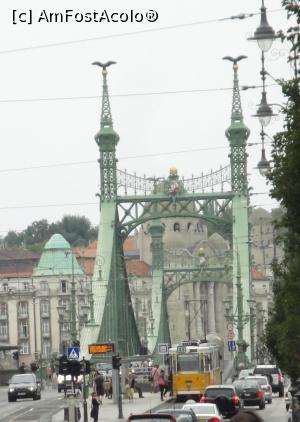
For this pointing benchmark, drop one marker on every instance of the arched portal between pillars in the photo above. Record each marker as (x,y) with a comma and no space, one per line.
(168,197)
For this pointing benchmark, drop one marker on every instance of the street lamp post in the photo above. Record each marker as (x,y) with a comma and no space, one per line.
(73,330)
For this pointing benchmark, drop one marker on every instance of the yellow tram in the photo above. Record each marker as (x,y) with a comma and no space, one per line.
(193,366)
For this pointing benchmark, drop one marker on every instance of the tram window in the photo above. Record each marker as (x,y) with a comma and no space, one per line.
(188,363)
(207,363)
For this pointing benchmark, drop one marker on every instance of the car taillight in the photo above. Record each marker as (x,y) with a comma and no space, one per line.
(268,388)
(202,400)
(214,420)
(235,400)
(260,394)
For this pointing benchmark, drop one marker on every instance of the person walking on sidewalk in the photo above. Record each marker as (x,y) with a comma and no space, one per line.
(154,379)
(162,383)
(134,385)
(95,407)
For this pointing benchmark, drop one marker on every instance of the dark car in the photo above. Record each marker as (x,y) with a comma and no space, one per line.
(151,417)
(225,397)
(253,395)
(24,386)
(180,414)
(274,375)
(238,385)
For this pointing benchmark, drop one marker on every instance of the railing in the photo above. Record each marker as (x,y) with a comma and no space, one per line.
(132,184)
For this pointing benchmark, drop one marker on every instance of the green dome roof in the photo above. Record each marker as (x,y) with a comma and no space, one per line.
(57,259)
(57,241)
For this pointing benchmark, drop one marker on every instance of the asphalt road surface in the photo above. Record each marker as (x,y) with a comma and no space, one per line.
(27,410)
(274,412)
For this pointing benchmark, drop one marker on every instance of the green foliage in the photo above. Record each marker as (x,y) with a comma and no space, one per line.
(283,327)
(77,230)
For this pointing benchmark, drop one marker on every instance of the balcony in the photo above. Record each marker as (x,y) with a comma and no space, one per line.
(45,314)
(3,317)
(23,336)
(46,335)
(23,314)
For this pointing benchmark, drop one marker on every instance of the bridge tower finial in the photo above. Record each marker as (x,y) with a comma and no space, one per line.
(237,134)
(107,139)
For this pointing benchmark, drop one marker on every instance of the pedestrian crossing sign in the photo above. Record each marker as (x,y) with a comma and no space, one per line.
(73,353)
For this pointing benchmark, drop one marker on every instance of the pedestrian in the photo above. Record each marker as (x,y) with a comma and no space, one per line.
(154,379)
(162,383)
(22,368)
(99,385)
(134,385)
(246,416)
(95,407)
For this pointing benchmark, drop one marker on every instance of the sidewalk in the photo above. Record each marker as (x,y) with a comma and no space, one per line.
(108,412)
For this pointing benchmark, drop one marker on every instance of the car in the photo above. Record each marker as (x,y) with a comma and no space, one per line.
(288,400)
(205,412)
(265,386)
(181,415)
(253,395)
(225,397)
(24,386)
(245,373)
(66,383)
(151,417)
(238,384)
(274,375)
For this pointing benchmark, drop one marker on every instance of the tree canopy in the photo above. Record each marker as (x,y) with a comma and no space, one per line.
(77,230)
(283,327)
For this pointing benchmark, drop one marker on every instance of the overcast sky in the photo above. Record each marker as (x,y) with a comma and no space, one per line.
(56,130)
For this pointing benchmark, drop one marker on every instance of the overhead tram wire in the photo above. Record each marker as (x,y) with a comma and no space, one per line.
(130,157)
(239,16)
(133,94)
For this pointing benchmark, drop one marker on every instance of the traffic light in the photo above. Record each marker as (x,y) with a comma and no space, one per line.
(85,366)
(76,343)
(116,361)
(63,367)
(75,367)
(15,355)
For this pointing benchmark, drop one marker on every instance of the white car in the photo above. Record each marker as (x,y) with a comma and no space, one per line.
(68,385)
(205,411)
(244,373)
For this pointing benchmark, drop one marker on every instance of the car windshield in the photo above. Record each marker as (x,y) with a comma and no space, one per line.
(266,371)
(182,416)
(22,379)
(202,409)
(250,384)
(260,381)
(214,392)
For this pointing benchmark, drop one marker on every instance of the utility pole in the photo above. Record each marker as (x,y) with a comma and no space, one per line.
(73,330)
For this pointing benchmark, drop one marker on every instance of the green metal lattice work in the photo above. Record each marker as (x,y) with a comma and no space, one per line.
(150,200)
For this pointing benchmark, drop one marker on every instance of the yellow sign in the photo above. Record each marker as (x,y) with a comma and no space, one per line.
(101,348)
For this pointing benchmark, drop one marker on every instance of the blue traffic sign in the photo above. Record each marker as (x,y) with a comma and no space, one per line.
(231,346)
(73,353)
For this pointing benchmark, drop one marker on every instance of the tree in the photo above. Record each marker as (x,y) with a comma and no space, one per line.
(283,327)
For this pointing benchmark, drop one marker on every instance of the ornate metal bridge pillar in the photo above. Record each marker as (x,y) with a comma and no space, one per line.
(237,134)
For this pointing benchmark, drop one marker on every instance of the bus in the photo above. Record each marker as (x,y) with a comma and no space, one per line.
(193,366)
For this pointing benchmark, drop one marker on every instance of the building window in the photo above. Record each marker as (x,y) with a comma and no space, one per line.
(25,285)
(44,307)
(45,326)
(176,227)
(23,328)
(3,309)
(3,329)
(65,303)
(46,348)
(44,285)
(5,287)
(63,286)
(65,327)
(24,347)
(22,309)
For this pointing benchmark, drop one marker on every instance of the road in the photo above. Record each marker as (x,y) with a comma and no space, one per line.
(27,410)
(274,412)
